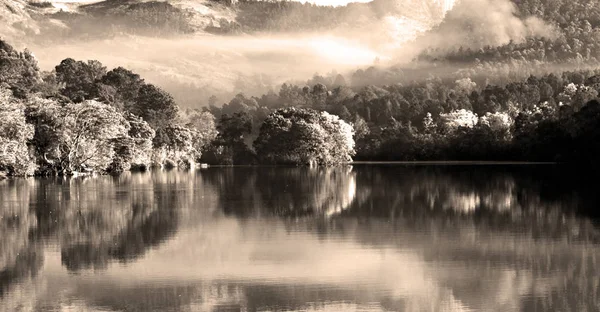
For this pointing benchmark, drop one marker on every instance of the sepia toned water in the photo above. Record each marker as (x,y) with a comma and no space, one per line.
(395,237)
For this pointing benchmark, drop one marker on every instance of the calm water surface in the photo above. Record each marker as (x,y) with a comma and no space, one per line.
(364,238)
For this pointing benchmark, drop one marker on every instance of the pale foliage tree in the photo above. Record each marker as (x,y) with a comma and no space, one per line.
(173,146)
(428,123)
(142,134)
(577,95)
(135,149)
(499,123)
(78,137)
(204,129)
(15,133)
(341,138)
(88,132)
(459,118)
(304,136)
(465,85)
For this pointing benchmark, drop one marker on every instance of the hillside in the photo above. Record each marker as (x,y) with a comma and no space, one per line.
(126,32)
(55,21)
(18,18)
(571,30)
(178,16)
(91,19)
(199,48)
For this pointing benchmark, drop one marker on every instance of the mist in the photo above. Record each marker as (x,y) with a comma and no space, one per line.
(194,67)
(478,23)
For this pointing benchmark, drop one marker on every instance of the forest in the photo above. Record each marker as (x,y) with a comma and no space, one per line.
(82,117)
(534,100)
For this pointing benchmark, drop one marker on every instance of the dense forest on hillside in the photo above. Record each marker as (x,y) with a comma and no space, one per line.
(109,18)
(577,26)
(569,39)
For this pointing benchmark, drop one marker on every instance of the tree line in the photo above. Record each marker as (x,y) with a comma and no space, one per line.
(82,117)
(551,117)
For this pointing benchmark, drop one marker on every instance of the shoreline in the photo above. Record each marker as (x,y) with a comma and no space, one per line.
(455,162)
(353,163)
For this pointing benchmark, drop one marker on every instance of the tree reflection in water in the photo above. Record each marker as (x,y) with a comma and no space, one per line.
(20,259)
(93,221)
(530,230)
(122,229)
(283,191)
(406,238)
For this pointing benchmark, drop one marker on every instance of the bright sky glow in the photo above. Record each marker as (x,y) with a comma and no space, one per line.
(341,52)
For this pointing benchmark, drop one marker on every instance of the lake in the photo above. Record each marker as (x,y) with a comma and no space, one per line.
(371,237)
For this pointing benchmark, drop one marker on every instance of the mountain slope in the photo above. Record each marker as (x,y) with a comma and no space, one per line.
(196,14)
(49,21)
(17,17)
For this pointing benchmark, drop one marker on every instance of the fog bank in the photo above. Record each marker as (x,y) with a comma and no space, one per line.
(195,67)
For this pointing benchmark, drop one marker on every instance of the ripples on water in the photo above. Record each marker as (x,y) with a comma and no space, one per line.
(368,238)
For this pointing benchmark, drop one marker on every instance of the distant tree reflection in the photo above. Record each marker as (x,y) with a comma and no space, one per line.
(283,191)
(514,236)
(510,198)
(498,197)
(530,224)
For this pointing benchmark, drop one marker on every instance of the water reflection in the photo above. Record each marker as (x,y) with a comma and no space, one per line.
(283,192)
(368,238)
(20,259)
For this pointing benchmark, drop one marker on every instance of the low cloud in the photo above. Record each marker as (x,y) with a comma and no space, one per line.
(480,23)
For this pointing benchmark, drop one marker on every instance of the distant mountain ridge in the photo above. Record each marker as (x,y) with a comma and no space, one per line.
(52,20)
(199,13)
(90,18)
